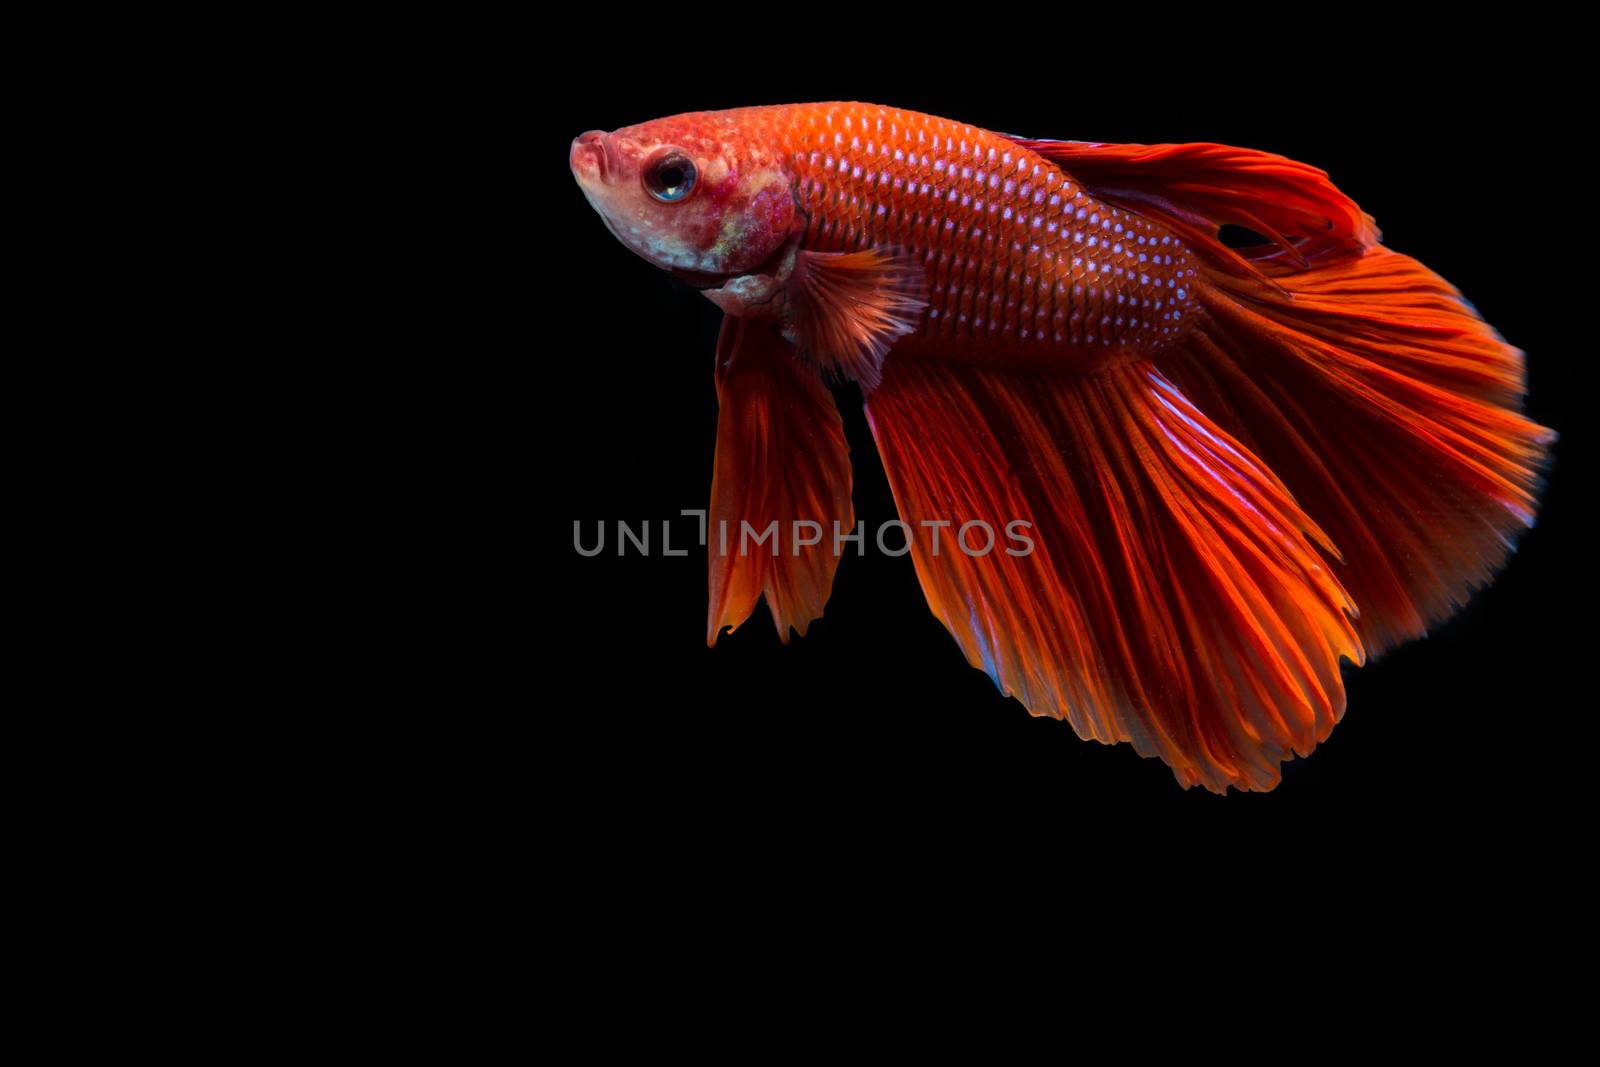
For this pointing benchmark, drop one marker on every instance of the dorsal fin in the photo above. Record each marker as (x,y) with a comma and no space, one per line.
(1196,189)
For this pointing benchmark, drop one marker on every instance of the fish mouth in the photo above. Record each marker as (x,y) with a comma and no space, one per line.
(700,279)
(591,157)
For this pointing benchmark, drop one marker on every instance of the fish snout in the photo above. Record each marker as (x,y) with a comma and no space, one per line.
(591,156)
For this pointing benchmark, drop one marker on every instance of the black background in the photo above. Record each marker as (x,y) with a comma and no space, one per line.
(873,729)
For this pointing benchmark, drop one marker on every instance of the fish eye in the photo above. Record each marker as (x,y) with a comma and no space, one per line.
(670,178)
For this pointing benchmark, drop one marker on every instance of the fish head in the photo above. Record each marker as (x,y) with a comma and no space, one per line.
(702,195)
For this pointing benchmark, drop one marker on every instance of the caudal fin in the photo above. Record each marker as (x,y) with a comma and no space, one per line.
(1389,408)
(1392,412)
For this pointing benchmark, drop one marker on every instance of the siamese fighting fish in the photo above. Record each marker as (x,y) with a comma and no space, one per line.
(1241,440)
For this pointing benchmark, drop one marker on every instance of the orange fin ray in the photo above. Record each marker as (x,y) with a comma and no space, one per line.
(1387,405)
(781,459)
(1174,596)
(847,309)
(1390,409)
(1198,188)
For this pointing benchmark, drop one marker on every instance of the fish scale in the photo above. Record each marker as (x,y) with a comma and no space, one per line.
(1015,251)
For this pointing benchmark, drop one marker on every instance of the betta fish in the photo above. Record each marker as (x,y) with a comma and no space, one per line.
(1238,462)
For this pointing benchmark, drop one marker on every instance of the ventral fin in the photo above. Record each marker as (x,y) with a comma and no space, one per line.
(848,308)
(782,479)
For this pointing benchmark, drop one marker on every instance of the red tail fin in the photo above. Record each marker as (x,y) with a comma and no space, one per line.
(1388,407)
(1391,411)
(1336,397)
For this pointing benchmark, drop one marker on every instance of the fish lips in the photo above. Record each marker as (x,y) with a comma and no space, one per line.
(591,157)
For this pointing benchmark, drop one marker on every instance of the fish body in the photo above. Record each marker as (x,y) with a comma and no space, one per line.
(1018,259)
(1240,467)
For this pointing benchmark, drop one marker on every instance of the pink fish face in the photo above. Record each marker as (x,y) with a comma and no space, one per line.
(698,195)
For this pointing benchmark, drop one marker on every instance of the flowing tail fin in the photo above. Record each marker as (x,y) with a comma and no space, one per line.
(1392,412)
(1336,400)
(1389,408)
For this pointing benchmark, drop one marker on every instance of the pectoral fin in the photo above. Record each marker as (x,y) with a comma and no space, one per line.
(847,309)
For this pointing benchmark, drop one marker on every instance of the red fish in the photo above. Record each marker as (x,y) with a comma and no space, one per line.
(1237,466)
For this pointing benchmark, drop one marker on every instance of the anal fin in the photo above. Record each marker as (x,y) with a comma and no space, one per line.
(1175,596)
